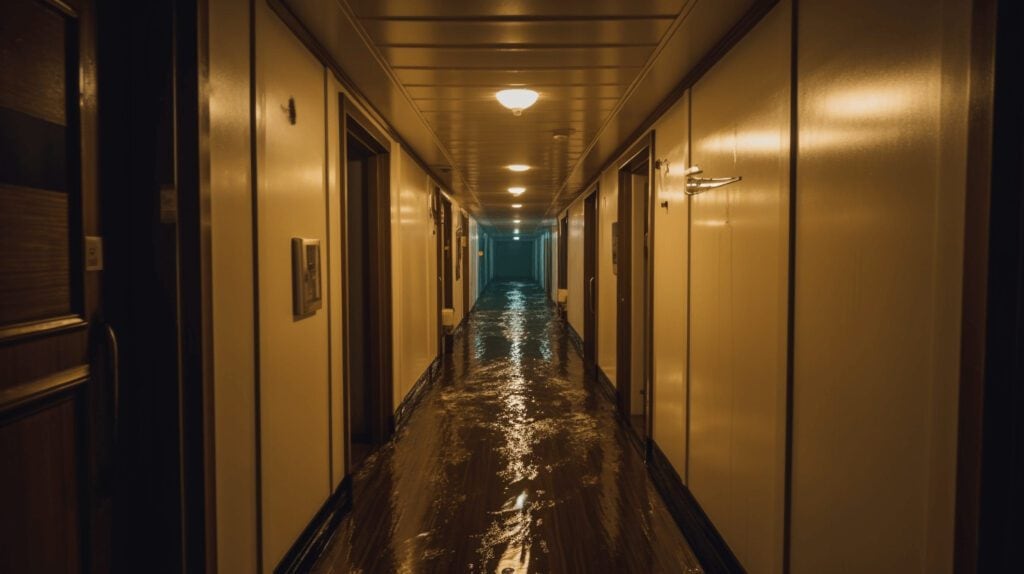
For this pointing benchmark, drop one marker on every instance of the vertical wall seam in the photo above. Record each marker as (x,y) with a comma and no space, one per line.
(787,510)
(330,303)
(254,173)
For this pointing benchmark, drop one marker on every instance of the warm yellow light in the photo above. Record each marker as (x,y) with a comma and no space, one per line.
(517,221)
(516,205)
(517,167)
(517,99)
(516,190)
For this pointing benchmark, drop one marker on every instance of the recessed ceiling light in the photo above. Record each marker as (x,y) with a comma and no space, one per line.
(516,205)
(517,231)
(516,190)
(517,221)
(516,238)
(517,167)
(517,99)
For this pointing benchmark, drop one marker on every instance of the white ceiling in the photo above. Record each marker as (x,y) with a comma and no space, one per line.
(432,67)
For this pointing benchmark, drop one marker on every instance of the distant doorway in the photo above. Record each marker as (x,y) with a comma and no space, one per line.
(633,306)
(367,281)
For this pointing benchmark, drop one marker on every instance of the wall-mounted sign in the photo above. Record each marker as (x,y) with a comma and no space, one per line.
(306,292)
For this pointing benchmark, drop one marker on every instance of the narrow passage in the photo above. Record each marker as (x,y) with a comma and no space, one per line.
(512,463)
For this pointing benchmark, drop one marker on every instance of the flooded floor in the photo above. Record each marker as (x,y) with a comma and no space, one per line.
(512,463)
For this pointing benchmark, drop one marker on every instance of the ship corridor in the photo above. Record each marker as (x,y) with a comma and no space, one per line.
(511,286)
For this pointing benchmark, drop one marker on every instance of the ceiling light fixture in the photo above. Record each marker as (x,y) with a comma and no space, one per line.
(516,238)
(517,167)
(516,190)
(517,221)
(517,99)
(516,205)
(517,231)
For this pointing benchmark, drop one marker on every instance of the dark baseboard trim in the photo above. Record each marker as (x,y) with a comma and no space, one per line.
(577,341)
(714,554)
(605,385)
(419,388)
(311,543)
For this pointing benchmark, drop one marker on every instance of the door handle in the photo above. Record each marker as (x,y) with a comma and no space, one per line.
(114,356)
(590,286)
(698,185)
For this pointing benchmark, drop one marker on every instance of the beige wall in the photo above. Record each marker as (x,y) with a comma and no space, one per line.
(739,291)
(414,275)
(670,283)
(878,263)
(607,310)
(474,262)
(293,353)
(234,393)
(336,248)
(574,305)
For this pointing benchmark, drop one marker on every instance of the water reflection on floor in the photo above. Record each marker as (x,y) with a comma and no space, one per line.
(512,463)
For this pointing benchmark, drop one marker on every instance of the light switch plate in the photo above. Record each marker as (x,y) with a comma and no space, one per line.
(93,253)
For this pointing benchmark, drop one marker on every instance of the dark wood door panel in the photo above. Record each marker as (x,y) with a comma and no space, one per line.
(34,270)
(49,422)
(39,491)
(33,57)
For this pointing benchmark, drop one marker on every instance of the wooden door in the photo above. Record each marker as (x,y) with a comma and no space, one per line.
(55,401)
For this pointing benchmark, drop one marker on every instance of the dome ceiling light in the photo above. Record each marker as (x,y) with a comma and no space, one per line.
(517,191)
(517,167)
(517,99)
(516,205)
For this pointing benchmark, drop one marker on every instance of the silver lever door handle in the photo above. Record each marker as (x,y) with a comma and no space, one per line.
(696,185)
(590,285)
(115,370)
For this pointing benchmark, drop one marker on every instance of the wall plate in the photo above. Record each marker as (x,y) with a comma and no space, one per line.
(307,295)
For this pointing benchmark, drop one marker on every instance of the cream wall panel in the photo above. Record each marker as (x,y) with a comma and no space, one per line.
(607,213)
(414,274)
(456,275)
(234,387)
(739,292)
(555,270)
(670,278)
(880,191)
(335,254)
(294,379)
(575,264)
(474,262)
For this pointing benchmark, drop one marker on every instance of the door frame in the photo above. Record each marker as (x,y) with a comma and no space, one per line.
(591,220)
(642,152)
(378,293)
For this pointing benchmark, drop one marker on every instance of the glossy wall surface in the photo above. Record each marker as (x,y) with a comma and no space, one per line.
(607,213)
(670,283)
(231,225)
(575,271)
(414,272)
(293,352)
(739,277)
(880,193)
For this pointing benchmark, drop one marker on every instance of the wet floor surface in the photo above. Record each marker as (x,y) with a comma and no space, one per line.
(512,463)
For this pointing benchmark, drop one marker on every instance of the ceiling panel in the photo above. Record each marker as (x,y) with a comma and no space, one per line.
(449,57)
(512,78)
(443,33)
(456,9)
(519,58)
